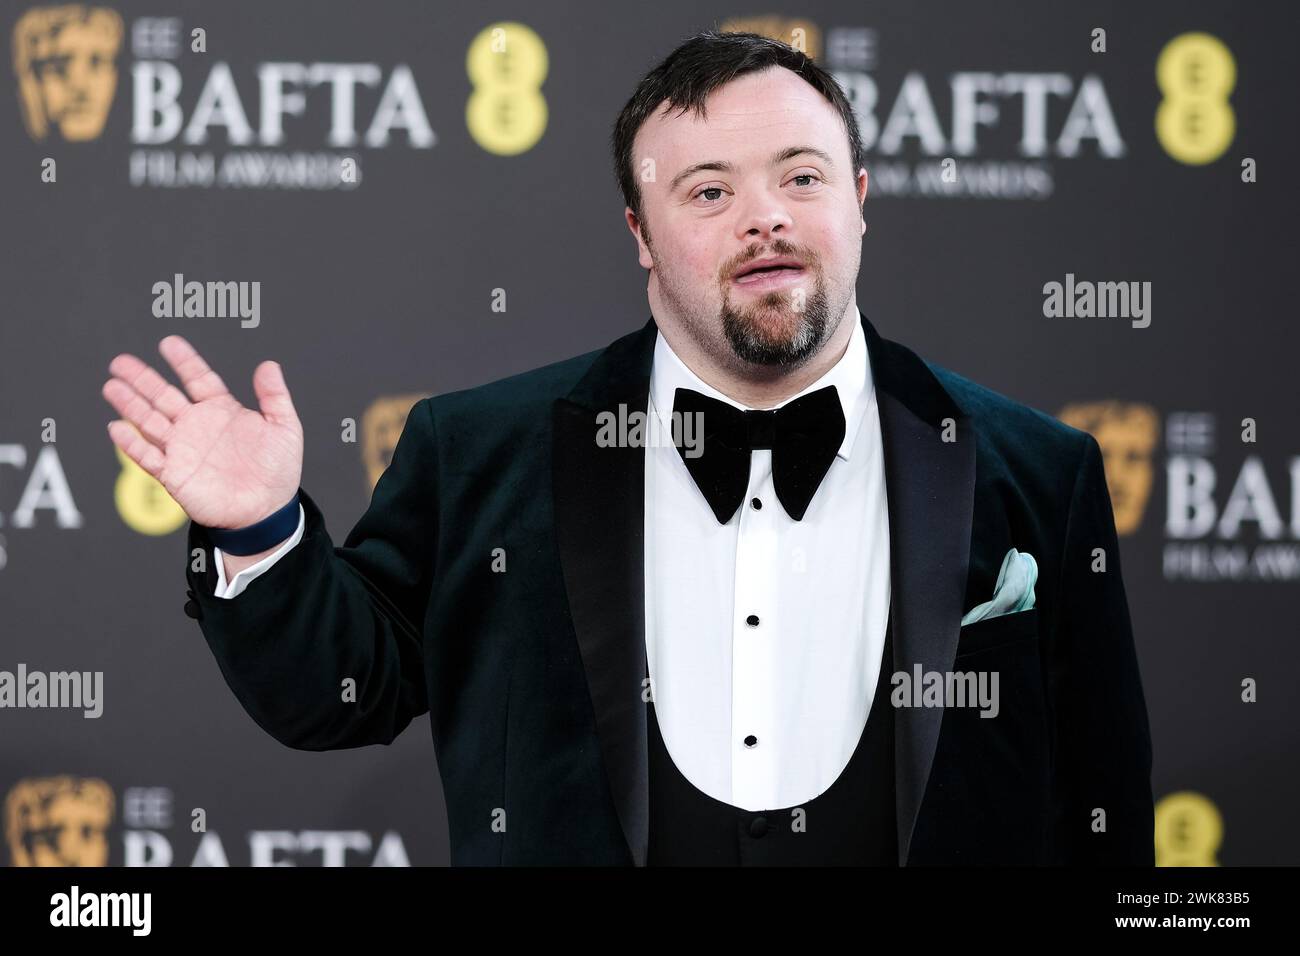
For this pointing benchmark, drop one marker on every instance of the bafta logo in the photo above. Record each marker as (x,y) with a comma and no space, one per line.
(64,58)
(58,821)
(1127,433)
(381,426)
(804,35)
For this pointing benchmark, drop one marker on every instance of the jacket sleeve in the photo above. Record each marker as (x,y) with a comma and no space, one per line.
(324,651)
(1104,740)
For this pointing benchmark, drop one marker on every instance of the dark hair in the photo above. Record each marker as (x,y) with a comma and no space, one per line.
(701,65)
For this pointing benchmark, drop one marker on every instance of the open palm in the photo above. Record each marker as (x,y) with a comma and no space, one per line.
(228,466)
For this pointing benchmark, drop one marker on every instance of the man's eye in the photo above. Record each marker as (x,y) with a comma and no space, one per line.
(806,176)
(709,189)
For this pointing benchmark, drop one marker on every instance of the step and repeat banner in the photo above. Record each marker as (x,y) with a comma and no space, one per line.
(1084,206)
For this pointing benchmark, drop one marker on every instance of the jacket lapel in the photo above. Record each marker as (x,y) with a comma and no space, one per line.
(599,498)
(930,487)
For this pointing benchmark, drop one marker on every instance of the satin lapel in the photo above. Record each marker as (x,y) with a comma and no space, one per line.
(930,487)
(599,500)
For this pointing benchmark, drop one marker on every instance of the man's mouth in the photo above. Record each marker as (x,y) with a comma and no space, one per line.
(765,273)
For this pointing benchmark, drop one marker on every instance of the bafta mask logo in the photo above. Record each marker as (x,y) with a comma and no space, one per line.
(381,426)
(58,821)
(1127,433)
(804,35)
(64,58)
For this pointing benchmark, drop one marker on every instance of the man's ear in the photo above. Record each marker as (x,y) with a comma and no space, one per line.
(861,185)
(643,251)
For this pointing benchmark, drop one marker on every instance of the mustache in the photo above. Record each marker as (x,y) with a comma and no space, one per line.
(808,258)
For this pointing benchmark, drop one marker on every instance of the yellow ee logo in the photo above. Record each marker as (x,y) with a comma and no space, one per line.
(142,502)
(507,63)
(1189,830)
(1194,122)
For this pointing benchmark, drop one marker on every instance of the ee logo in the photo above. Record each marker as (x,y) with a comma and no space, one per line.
(142,502)
(1194,122)
(1189,830)
(507,63)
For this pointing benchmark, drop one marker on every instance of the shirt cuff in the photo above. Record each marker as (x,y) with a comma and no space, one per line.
(240,580)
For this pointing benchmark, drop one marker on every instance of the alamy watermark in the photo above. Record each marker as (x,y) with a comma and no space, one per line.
(636,429)
(946,689)
(132,911)
(179,299)
(1102,300)
(62,689)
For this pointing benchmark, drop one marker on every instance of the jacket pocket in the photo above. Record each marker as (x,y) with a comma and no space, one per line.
(995,631)
(988,800)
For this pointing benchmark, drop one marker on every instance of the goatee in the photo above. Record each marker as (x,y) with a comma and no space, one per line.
(751,342)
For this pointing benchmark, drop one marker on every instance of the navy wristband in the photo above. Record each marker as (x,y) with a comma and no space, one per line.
(272,529)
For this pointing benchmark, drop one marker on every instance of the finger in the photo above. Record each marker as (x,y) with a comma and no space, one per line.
(159,392)
(273,395)
(132,406)
(200,382)
(140,451)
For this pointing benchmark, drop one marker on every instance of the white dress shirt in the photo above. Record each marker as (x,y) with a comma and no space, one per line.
(803,679)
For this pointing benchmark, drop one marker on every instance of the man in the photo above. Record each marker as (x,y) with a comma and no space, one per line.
(731,647)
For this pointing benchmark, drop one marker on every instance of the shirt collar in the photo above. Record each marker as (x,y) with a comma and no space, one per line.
(851,376)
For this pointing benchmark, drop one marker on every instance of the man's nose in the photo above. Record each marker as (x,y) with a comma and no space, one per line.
(763,217)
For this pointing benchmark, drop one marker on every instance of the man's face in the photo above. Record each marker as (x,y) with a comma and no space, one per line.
(779,182)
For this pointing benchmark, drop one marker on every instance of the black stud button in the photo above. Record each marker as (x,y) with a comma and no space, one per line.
(752,620)
(756,503)
(758,826)
(751,741)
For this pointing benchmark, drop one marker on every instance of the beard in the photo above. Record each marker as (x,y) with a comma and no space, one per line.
(771,330)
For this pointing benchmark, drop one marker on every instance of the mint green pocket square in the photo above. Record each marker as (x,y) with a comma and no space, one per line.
(1014,590)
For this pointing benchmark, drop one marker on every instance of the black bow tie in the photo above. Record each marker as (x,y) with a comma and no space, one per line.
(804,436)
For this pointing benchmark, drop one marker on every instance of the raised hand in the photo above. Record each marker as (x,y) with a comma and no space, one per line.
(228,466)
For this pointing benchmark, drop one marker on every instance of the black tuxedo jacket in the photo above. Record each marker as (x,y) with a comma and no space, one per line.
(532,675)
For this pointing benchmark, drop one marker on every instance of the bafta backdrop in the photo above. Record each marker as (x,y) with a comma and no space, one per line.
(1086,207)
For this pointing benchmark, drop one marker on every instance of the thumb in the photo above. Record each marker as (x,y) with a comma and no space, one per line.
(273,395)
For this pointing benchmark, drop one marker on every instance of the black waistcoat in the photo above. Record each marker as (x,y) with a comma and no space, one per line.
(852,823)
